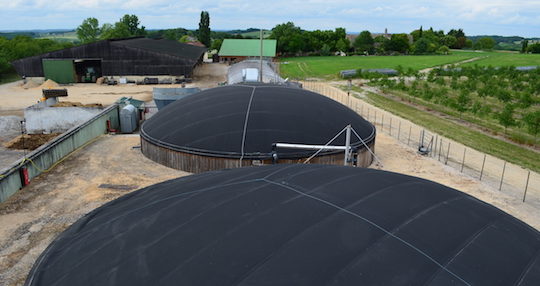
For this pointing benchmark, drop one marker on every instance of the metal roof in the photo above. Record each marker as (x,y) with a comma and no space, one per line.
(247,48)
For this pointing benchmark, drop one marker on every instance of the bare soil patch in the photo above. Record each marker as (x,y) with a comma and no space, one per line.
(30,141)
(76,104)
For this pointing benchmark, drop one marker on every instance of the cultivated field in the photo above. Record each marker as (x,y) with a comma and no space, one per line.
(329,67)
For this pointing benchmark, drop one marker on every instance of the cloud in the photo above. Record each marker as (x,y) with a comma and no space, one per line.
(474,16)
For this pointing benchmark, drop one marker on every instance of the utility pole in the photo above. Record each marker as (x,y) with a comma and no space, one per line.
(261,59)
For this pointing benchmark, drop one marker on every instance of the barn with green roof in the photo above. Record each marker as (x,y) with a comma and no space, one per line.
(236,50)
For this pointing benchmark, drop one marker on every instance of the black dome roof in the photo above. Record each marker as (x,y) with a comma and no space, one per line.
(212,122)
(294,225)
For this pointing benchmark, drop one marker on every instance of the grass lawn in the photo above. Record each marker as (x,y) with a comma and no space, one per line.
(467,136)
(497,59)
(329,67)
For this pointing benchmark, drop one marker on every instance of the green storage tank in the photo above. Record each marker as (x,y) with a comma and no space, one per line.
(61,71)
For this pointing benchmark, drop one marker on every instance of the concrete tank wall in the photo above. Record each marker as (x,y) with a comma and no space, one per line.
(56,119)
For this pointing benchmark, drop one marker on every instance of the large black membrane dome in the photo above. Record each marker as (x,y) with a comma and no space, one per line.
(216,128)
(294,225)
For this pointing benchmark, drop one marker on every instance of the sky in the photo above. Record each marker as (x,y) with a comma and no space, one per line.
(475,17)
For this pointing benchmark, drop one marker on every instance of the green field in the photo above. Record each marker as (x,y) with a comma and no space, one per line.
(257,34)
(497,59)
(61,37)
(329,67)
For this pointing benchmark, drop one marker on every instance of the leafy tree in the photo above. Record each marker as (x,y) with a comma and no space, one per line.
(422,46)
(216,44)
(119,30)
(532,120)
(534,48)
(341,45)
(463,101)
(204,29)
(88,31)
(325,50)
(524,45)
(364,42)
(461,40)
(132,24)
(283,33)
(485,44)
(443,50)
(398,43)
(448,41)
(506,117)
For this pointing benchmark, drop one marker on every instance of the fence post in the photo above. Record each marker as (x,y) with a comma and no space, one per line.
(447,154)
(399,130)
(482,171)
(440,146)
(463,160)
(375,117)
(368,115)
(526,186)
(409,140)
(390,125)
(382,122)
(502,176)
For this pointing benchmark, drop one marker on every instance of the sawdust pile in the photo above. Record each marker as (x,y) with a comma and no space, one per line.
(30,141)
(76,104)
(49,84)
(30,84)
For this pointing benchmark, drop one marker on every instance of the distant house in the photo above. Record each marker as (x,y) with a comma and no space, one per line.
(236,50)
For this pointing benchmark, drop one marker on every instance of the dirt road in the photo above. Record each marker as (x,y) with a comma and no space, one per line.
(14,97)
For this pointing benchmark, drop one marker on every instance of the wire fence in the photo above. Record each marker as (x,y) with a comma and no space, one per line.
(499,174)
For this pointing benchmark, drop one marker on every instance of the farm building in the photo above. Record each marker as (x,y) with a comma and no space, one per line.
(236,50)
(120,57)
(238,125)
(293,225)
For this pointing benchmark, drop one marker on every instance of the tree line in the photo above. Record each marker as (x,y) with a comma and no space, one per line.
(24,46)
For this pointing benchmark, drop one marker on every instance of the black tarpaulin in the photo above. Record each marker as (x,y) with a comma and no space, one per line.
(294,225)
(225,121)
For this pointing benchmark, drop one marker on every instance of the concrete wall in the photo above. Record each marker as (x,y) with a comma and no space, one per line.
(39,160)
(41,120)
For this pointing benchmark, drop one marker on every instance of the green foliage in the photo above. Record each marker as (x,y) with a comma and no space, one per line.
(203,34)
(132,24)
(506,117)
(485,43)
(119,30)
(88,31)
(216,44)
(398,43)
(443,50)
(127,26)
(364,43)
(524,46)
(532,121)
(342,45)
(184,39)
(23,46)
(292,40)
(495,98)
(534,48)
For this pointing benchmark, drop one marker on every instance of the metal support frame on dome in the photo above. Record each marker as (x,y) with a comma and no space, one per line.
(347,148)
